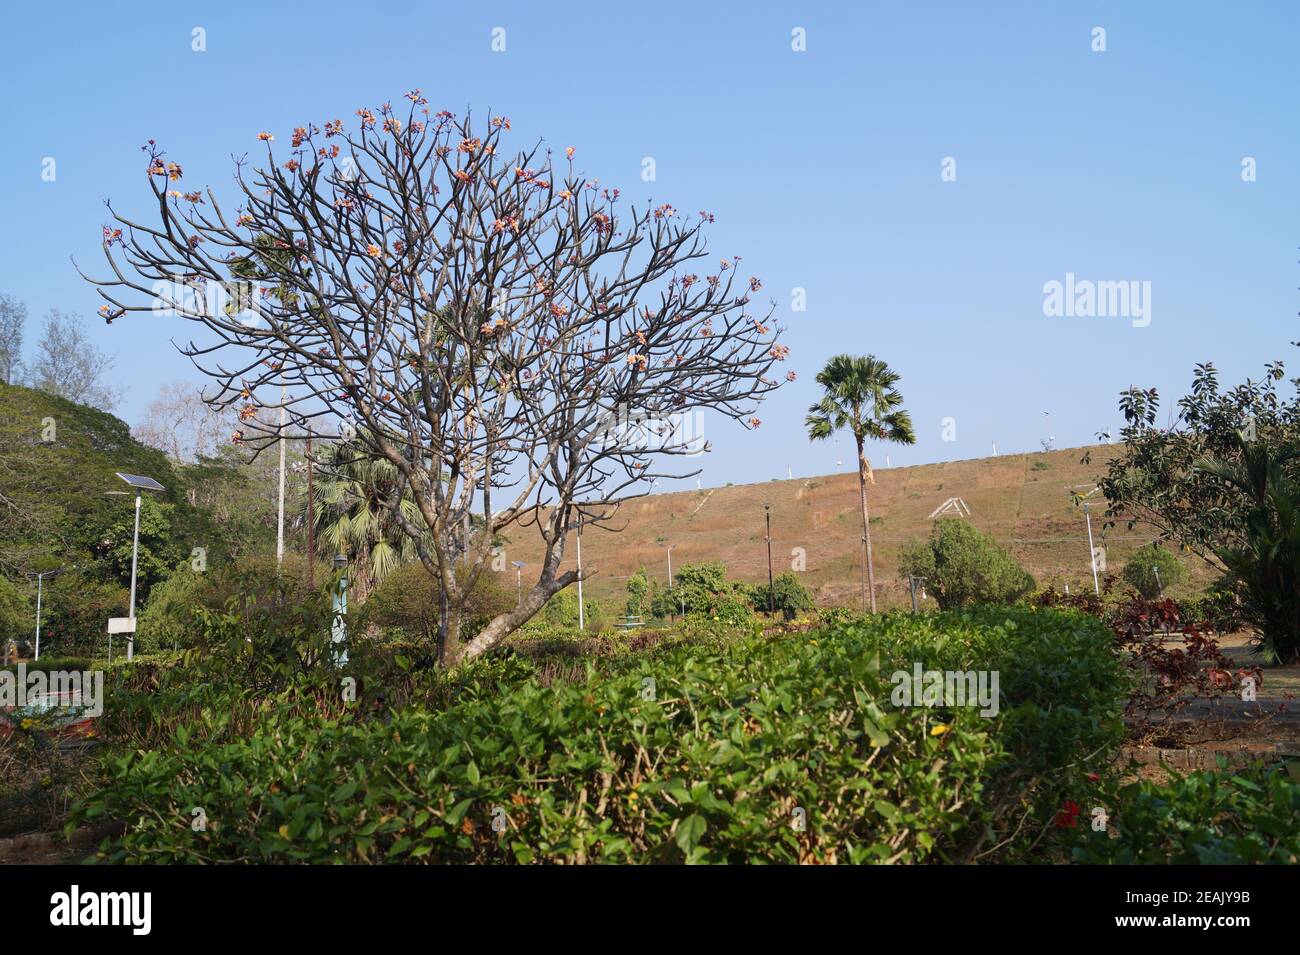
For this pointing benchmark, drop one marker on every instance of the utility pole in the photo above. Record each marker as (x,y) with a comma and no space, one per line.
(40,580)
(581,617)
(1092,552)
(279,533)
(311,524)
(771,593)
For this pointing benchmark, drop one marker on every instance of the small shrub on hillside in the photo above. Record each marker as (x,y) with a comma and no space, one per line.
(638,594)
(790,596)
(964,567)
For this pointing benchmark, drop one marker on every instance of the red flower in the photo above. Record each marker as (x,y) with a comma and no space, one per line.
(1068,817)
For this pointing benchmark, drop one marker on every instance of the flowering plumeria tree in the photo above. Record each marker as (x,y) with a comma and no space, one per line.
(490,323)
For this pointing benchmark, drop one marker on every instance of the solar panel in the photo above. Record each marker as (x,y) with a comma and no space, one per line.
(139,480)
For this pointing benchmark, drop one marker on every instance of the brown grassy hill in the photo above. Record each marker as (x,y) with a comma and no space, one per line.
(1022,499)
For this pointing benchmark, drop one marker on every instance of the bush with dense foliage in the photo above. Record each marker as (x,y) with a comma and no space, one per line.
(167,620)
(638,594)
(17,614)
(1204,818)
(407,599)
(1152,569)
(1265,563)
(963,566)
(776,750)
(789,596)
(75,613)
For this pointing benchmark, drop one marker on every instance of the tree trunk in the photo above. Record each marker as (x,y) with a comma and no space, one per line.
(448,635)
(507,623)
(864,473)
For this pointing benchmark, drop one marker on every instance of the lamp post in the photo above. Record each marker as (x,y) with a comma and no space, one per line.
(339,631)
(140,483)
(279,521)
(1159,583)
(1092,552)
(771,594)
(581,619)
(311,525)
(40,579)
(519,566)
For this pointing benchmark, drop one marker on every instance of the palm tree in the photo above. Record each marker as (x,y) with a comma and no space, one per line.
(353,514)
(861,397)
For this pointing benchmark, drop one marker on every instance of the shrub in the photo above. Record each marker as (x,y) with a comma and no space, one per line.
(74,616)
(407,599)
(17,615)
(790,596)
(1152,569)
(168,617)
(638,593)
(697,753)
(1204,818)
(562,610)
(963,566)
(271,632)
(1265,564)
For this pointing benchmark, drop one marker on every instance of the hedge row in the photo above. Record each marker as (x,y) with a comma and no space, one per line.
(763,750)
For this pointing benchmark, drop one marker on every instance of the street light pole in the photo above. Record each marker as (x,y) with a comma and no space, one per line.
(1092,552)
(339,635)
(135,554)
(311,525)
(581,618)
(279,532)
(141,484)
(771,593)
(39,582)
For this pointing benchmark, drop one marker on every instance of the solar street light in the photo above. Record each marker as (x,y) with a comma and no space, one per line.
(140,483)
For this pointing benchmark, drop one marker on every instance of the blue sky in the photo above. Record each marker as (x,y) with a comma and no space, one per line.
(822,168)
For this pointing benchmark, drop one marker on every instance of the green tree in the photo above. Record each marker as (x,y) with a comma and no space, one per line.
(789,595)
(17,616)
(861,397)
(75,613)
(638,592)
(168,616)
(963,566)
(1153,479)
(407,599)
(1152,569)
(158,552)
(1266,564)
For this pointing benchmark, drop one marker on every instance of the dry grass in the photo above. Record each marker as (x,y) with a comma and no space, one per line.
(1022,499)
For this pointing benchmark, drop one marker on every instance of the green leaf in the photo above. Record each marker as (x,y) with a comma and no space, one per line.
(689,832)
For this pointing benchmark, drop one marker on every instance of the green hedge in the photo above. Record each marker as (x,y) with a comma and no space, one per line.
(716,760)
(1203,818)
